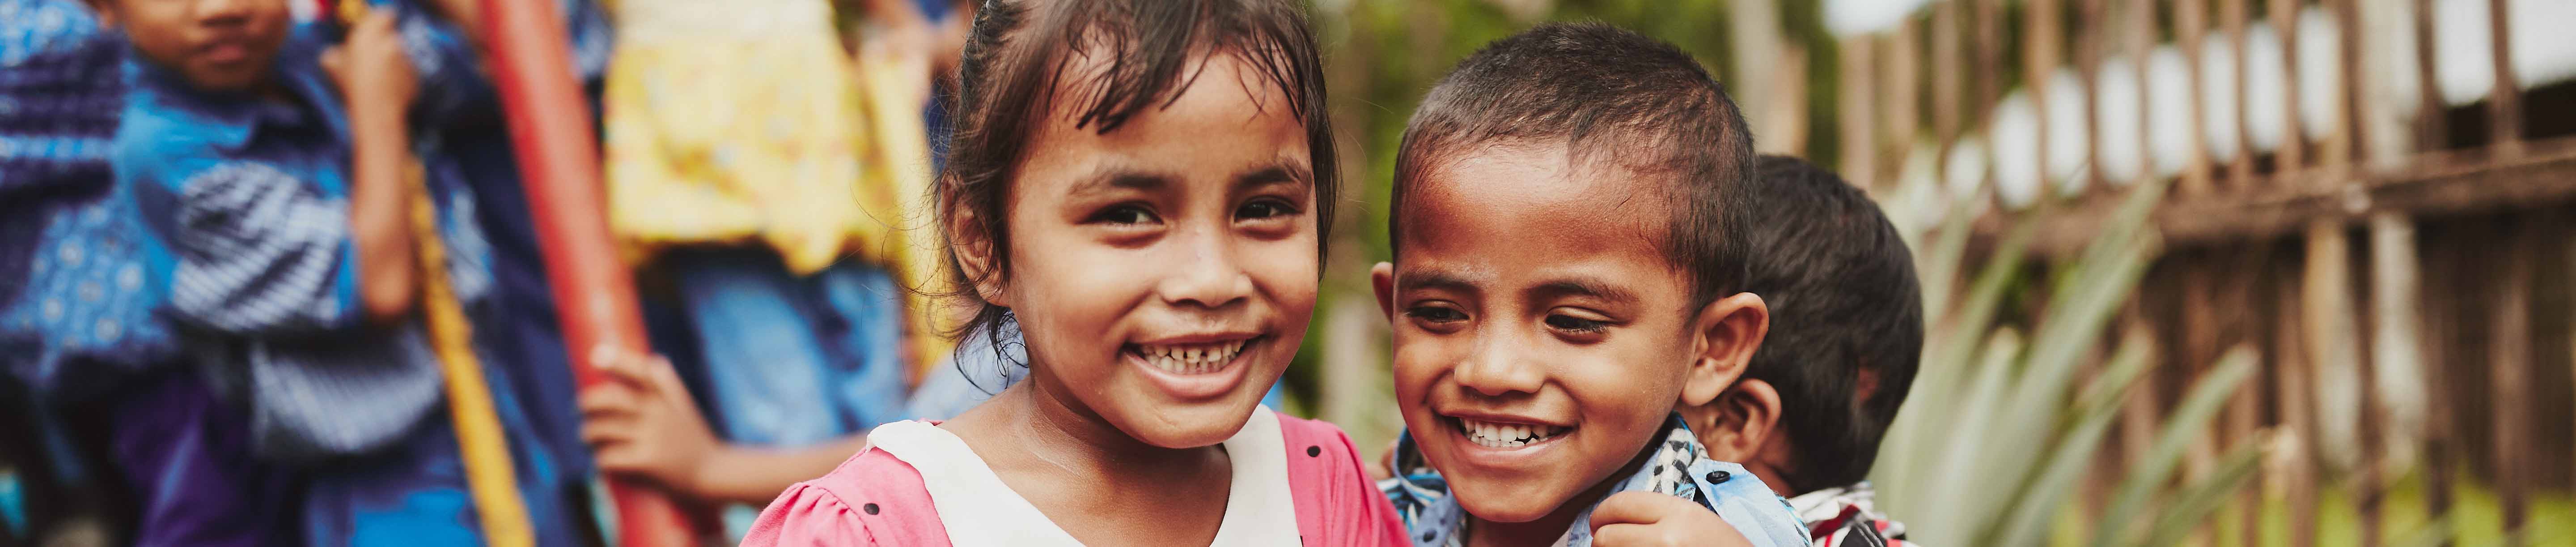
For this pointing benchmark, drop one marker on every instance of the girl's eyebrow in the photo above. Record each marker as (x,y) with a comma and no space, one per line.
(1284,171)
(1111,179)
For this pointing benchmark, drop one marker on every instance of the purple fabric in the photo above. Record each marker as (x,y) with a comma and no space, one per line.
(187,456)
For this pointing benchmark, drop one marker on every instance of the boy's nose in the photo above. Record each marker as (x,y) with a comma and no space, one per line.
(1204,275)
(222,12)
(1499,367)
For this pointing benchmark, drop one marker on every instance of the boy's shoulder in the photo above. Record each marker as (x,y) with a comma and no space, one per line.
(1677,466)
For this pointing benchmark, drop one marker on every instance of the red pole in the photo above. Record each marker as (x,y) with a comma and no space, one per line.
(550,129)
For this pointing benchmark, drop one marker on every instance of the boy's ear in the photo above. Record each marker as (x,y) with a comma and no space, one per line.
(1382,278)
(1737,425)
(974,250)
(1723,338)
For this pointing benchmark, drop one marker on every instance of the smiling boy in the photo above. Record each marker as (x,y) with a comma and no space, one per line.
(1568,270)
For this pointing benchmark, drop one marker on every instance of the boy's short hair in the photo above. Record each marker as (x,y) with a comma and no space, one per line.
(1606,94)
(1846,317)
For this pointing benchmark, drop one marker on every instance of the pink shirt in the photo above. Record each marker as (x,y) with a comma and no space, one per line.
(877,498)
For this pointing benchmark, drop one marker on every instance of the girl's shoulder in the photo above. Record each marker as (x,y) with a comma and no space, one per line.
(873,498)
(1336,502)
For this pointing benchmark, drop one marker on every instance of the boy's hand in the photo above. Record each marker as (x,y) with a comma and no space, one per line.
(1379,469)
(1648,519)
(371,67)
(644,423)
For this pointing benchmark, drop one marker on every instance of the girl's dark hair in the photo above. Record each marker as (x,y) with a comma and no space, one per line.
(1016,58)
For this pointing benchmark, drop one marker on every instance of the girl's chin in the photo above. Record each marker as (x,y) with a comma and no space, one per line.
(1198,425)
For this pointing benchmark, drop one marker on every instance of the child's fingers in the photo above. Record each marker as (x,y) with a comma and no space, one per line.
(335,62)
(376,21)
(607,400)
(1628,535)
(599,433)
(664,378)
(1638,518)
(650,372)
(1639,507)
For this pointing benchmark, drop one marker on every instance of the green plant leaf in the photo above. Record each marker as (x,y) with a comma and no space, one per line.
(2184,425)
(1937,470)
(2187,511)
(2043,499)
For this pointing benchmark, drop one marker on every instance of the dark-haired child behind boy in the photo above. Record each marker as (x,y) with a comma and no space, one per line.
(1847,332)
(295,266)
(1569,267)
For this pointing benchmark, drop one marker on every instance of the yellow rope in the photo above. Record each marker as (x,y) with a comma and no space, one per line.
(479,437)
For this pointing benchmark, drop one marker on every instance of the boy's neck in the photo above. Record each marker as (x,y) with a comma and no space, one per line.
(1544,531)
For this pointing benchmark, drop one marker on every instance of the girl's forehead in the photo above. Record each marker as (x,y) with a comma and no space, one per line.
(1222,125)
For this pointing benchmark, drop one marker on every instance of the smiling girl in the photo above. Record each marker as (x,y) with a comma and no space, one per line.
(1137,189)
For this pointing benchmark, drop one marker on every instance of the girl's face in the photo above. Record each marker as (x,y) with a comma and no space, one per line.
(1163,273)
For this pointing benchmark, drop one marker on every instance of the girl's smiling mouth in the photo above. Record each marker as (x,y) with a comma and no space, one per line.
(1195,367)
(1199,358)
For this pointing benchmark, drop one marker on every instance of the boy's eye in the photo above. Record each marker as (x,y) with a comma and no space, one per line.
(1123,214)
(1265,208)
(1577,324)
(1435,314)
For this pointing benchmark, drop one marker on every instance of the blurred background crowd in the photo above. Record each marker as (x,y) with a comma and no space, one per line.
(2212,272)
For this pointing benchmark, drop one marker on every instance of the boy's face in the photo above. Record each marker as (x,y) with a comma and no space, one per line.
(1541,337)
(217,45)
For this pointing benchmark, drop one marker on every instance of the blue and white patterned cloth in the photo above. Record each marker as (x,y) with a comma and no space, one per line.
(250,196)
(76,267)
(1679,467)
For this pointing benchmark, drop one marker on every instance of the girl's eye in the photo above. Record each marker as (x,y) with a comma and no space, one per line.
(1577,324)
(1266,208)
(1435,314)
(1123,214)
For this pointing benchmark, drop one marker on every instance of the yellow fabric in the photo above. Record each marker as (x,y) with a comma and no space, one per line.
(739,141)
(753,127)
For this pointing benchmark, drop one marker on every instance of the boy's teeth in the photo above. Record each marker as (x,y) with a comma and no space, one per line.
(1496,435)
(1190,359)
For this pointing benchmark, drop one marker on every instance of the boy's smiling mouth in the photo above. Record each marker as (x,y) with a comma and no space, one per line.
(1505,433)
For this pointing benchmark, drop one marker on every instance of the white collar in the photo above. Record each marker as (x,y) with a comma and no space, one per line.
(979,510)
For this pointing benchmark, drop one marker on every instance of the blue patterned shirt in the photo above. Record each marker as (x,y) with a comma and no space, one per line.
(1680,467)
(250,195)
(76,301)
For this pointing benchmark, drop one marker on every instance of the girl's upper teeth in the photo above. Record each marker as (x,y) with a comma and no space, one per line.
(1190,358)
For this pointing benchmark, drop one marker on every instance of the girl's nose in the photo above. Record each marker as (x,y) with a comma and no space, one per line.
(1206,275)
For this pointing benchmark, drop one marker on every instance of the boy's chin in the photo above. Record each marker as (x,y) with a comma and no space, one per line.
(1506,504)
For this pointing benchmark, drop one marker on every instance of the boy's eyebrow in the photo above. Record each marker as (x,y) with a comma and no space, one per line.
(1433,280)
(1577,286)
